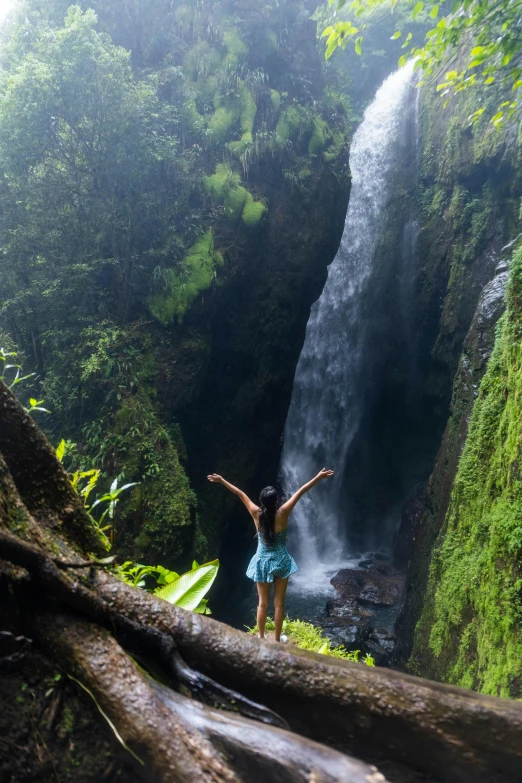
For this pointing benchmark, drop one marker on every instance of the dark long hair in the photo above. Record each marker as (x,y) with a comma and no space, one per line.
(268,500)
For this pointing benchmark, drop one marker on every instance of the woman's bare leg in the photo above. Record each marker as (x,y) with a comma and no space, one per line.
(280,586)
(263,591)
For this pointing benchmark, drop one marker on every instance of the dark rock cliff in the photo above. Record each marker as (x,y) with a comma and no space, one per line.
(423,516)
(469,191)
(247,341)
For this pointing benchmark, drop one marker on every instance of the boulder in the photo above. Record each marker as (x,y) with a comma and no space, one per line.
(378,653)
(386,639)
(367,587)
(351,632)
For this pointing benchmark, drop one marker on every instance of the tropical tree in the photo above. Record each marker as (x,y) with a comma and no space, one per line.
(469,43)
(87,177)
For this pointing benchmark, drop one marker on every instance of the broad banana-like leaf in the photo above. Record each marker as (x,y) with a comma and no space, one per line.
(190,588)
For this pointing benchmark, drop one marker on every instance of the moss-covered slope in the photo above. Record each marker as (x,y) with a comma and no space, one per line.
(470,630)
(470,193)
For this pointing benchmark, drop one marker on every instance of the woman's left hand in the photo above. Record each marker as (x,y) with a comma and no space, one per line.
(325,473)
(215,479)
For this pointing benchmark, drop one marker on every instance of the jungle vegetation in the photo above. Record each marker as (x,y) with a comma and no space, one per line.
(129,137)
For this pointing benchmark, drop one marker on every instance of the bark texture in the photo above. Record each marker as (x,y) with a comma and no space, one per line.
(194,720)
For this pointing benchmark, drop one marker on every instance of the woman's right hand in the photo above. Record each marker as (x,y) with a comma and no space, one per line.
(215,479)
(324,473)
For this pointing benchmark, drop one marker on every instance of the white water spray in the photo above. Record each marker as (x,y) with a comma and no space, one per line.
(331,379)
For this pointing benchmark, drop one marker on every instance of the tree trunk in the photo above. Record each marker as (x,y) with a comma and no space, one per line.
(90,621)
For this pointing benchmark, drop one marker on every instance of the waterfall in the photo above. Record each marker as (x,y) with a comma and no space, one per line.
(333,377)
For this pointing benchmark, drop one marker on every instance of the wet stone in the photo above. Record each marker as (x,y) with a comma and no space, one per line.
(351,632)
(338,607)
(378,653)
(386,639)
(379,590)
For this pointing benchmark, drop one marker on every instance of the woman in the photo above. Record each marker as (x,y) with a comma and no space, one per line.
(271,562)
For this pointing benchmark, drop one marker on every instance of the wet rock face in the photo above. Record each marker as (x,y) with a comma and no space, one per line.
(350,630)
(361,592)
(368,587)
(424,513)
(381,646)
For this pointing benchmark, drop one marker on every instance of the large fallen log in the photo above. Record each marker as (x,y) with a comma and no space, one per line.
(374,714)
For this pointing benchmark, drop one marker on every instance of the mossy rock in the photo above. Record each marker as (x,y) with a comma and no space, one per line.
(201,61)
(230,63)
(275,99)
(225,189)
(196,275)
(248,110)
(253,211)
(220,183)
(222,122)
(235,44)
(293,123)
(207,89)
(235,202)
(192,117)
(269,42)
(320,134)
(335,148)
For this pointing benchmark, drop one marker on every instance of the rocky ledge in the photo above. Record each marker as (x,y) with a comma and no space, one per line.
(352,616)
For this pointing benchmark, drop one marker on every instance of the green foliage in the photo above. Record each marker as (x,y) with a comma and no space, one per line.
(187,591)
(275,99)
(248,110)
(226,191)
(253,211)
(235,45)
(293,123)
(473,611)
(309,637)
(320,134)
(84,482)
(11,375)
(196,273)
(110,375)
(110,115)
(475,43)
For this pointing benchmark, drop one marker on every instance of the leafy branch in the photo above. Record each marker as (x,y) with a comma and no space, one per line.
(482,39)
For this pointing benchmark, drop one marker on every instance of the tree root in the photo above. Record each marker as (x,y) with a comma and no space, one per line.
(18,647)
(177,739)
(210,692)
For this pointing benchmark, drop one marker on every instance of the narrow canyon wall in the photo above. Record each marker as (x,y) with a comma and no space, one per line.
(449,627)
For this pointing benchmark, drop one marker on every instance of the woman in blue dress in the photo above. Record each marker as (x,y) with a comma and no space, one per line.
(271,563)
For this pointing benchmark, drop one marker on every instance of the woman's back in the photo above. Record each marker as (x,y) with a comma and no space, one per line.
(279,541)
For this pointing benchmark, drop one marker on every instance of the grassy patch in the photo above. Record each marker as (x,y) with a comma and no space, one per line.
(309,637)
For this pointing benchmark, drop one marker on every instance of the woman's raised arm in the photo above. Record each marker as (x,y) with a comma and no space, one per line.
(216,479)
(287,507)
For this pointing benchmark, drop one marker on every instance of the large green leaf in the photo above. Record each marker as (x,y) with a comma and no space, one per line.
(190,588)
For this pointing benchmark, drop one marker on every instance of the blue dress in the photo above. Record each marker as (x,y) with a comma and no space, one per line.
(271,561)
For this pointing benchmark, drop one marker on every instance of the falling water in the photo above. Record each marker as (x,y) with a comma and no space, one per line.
(333,377)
